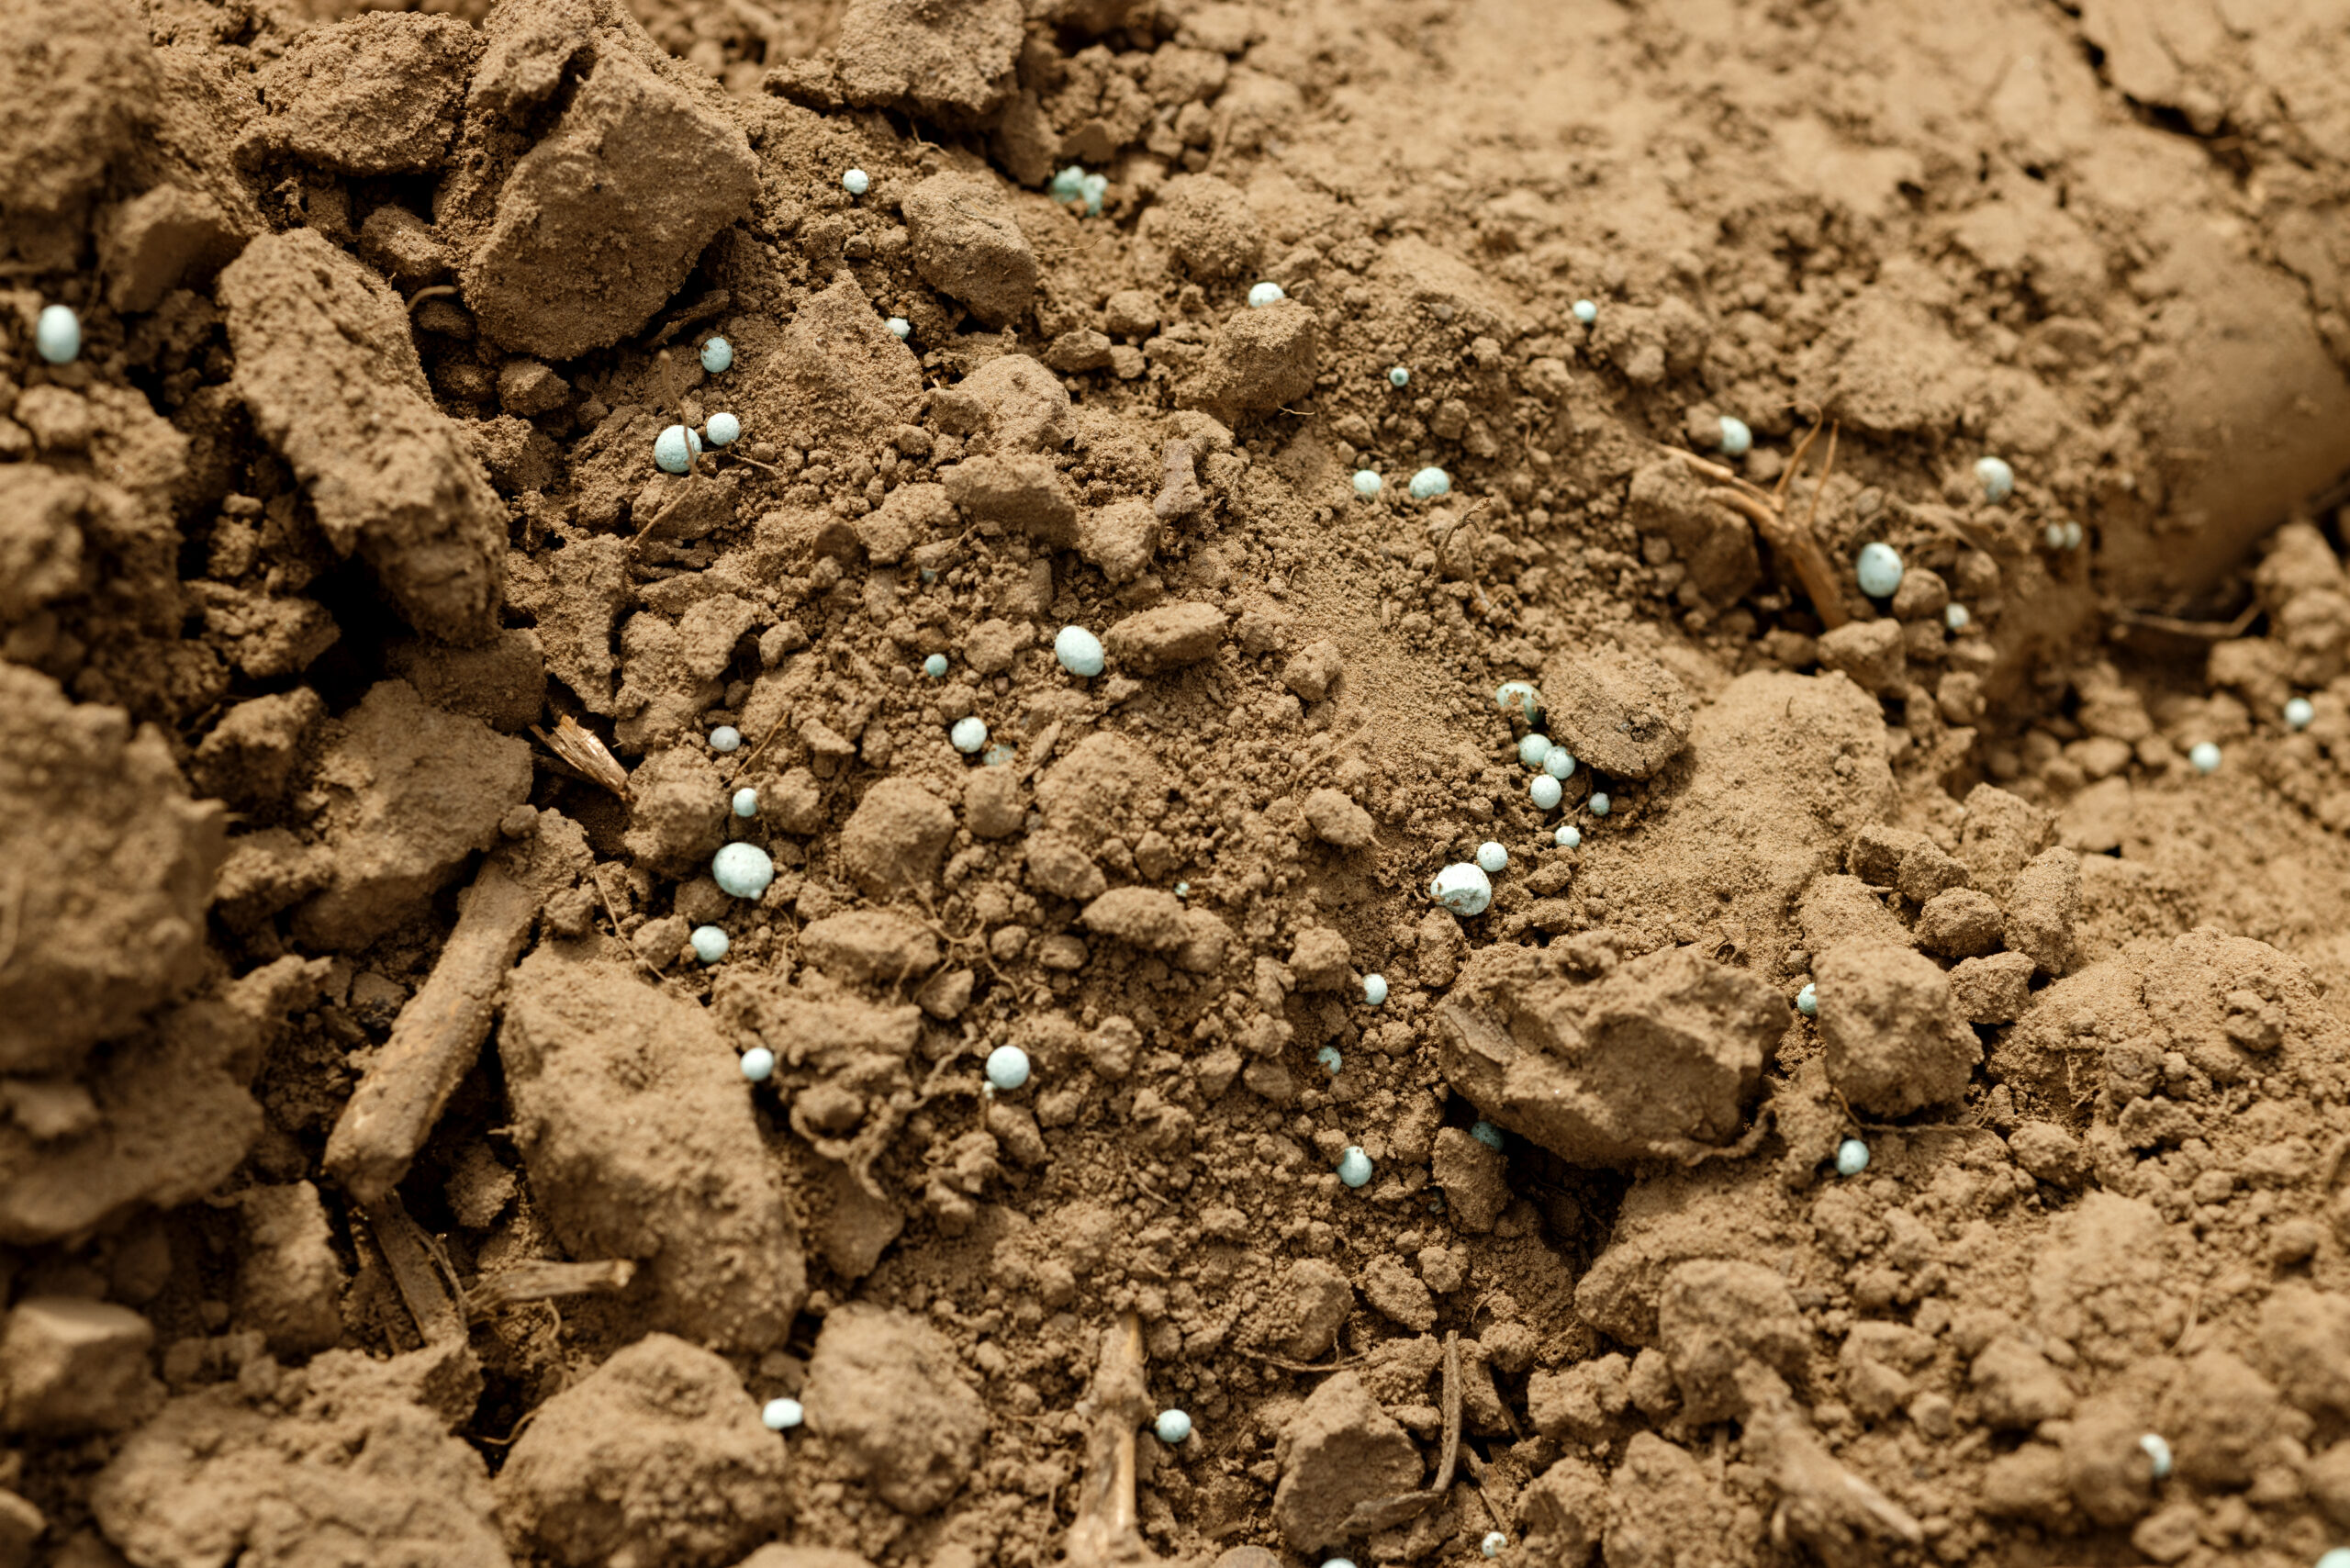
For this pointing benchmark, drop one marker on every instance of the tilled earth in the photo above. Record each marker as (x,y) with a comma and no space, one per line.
(1892,1107)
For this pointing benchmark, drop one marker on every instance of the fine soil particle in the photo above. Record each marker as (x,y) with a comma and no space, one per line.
(411,1152)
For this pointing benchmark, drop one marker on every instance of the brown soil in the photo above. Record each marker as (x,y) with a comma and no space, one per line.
(379,1179)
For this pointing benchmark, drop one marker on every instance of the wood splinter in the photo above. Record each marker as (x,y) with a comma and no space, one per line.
(1106,1531)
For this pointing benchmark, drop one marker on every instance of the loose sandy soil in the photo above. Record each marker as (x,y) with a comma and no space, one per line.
(380,1180)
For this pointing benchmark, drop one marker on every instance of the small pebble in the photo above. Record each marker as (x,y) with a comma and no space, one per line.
(674,449)
(1494,1543)
(1998,480)
(743,869)
(1007,1067)
(718,356)
(857,181)
(1599,803)
(747,802)
(1569,836)
(2203,757)
(2339,1557)
(1808,999)
(2299,714)
(1463,889)
(1430,483)
(758,1064)
(1852,1157)
(1534,750)
(1374,990)
(1265,294)
(1587,312)
(1172,1426)
(1955,617)
(723,430)
(900,328)
(782,1415)
(57,334)
(1399,377)
(1546,792)
(1491,858)
(1330,1059)
(710,943)
(1093,187)
(1559,763)
(968,735)
(2063,535)
(2072,536)
(999,754)
(1354,1167)
(934,666)
(1182,889)
(1738,439)
(1070,183)
(725,738)
(1078,651)
(1878,569)
(1485,1132)
(1518,697)
(1366,482)
(2158,1452)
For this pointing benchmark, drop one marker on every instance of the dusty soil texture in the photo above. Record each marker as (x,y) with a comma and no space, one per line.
(385,1178)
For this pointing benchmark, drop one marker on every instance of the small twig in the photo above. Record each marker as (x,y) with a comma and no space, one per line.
(701,310)
(596,875)
(1788,537)
(437,291)
(12,926)
(1118,1403)
(1451,1454)
(540,1279)
(419,1270)
(768,739)
(2203,631)
(1301,1366)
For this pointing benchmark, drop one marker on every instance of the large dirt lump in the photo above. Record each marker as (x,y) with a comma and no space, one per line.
(657,1456)
(1896,1040)
(968,244)
(595,226)
(635,1126)
(951,58)
(377,95)
(1782,770)
(406,794)
(107,881)
(1621,714)
(324,352)
(127,1135)
(1661,1058)
(347,1456)
(1341,1450)
(888,1390)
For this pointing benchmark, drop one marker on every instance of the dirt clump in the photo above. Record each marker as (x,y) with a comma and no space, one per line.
(1661,1056)
(1339,1450)
(658,1455)
(1895,1040)
(342,1451)
(106,922)
(632,1115)
(886,1391)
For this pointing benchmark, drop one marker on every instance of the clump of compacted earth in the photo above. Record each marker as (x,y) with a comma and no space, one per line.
(380,1176)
